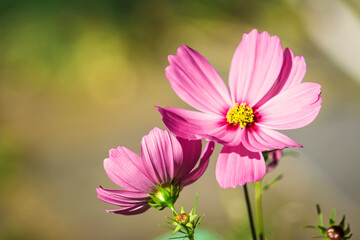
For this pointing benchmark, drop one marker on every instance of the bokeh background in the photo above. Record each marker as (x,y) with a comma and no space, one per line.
(80,77)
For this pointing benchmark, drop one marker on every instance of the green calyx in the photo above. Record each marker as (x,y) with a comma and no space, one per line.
(164,196)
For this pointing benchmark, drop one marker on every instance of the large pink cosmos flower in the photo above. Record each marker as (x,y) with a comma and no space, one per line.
(266,94)
(165,161)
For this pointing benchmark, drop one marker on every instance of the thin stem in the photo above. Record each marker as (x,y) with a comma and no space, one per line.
(248,205)
(258,209)
(189,235)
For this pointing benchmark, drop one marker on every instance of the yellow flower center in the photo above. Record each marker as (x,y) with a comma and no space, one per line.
(240,114)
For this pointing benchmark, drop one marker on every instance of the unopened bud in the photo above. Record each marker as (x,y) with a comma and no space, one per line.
(335,233)
(182,218)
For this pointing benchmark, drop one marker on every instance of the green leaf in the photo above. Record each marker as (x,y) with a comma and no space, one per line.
(314,227)
(167,227)
(333,214)
(183,237)
(173,223)
(273,182)
(199,220)
(320,216)
(177,229)
(196,199)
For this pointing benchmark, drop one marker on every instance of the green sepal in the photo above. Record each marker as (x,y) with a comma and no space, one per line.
(192,217)
(332,219)
(347,229)
(320,216)
(190,225)
(322,229)
(178,227)
(342,222)
(164,192)
(182,210)
(156,200)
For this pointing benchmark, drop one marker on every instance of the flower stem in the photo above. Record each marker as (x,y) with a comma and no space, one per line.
(248,205)
(189,235)
(258,209)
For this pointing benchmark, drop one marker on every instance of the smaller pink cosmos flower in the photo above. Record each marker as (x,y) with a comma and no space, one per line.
(165,161)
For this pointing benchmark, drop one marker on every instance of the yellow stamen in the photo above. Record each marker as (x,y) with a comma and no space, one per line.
(240,114)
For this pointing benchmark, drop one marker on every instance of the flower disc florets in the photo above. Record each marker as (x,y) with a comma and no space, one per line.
(182,218)
(240,114)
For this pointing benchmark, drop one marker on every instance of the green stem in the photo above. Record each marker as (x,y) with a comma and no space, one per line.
(258,209)
(189,235)
(251,220)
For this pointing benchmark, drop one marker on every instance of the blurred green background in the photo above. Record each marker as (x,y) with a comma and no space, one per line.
(80,77)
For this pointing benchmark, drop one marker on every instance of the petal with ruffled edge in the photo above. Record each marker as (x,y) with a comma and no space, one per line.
(196,173)
(160,151)
(237,166)
(124,168)
(196,82)
(131,210)
(255,67)
(294,108)
(261,139)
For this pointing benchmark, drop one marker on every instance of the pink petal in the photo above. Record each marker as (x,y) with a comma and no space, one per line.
(292,72)
(125,198)
(255,67)
(226,134)
(196,82)
(124,168)
(188,124)
(262,139)
(160,151)
(294,108)
(191,154)
(237,166)
(196,173)
(131,210)
(196,125)
(298,71)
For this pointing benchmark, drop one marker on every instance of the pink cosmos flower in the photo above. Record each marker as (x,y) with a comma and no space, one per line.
(165,161)
(266,94)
